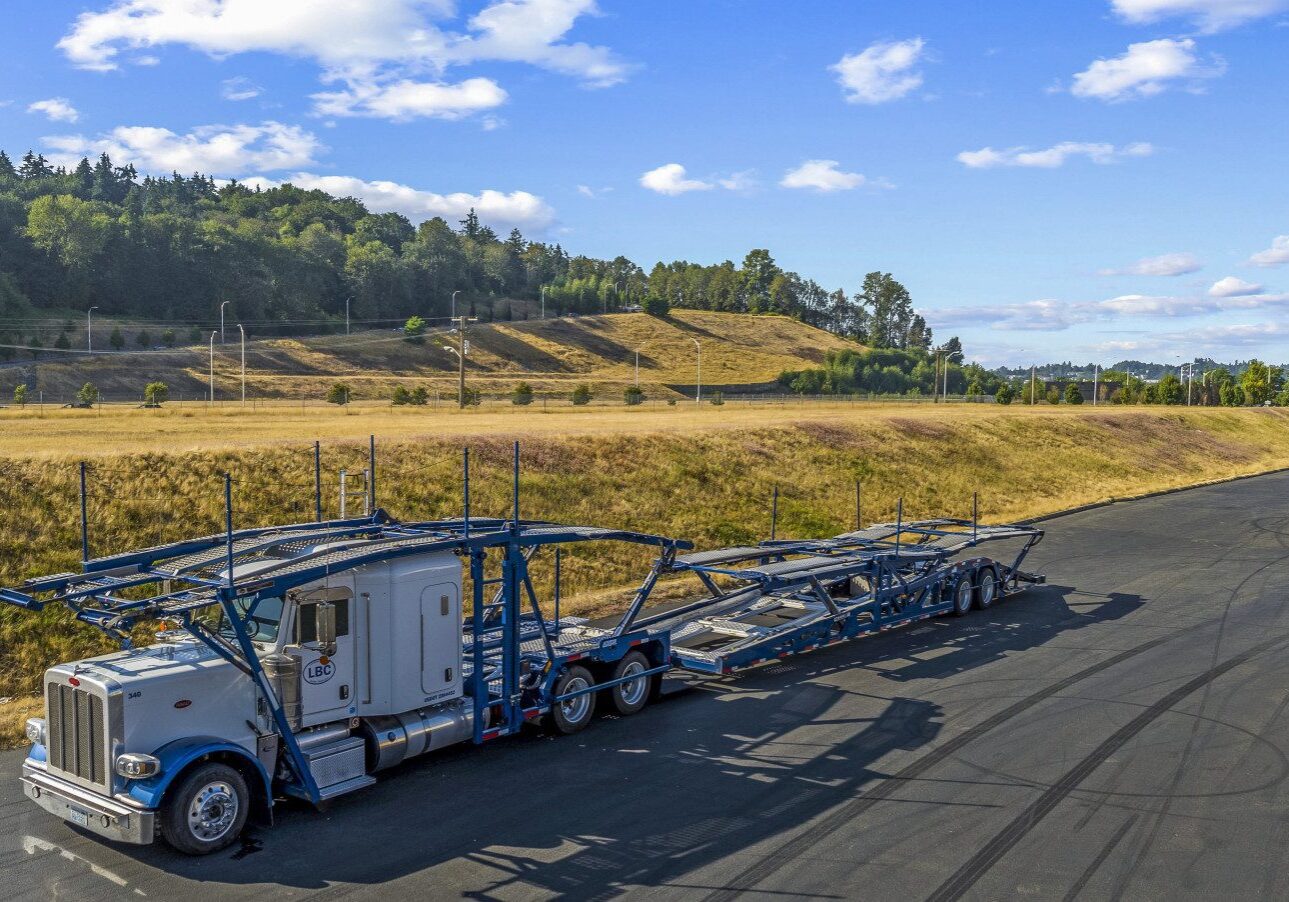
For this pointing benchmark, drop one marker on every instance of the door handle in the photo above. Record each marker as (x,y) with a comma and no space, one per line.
(344,692)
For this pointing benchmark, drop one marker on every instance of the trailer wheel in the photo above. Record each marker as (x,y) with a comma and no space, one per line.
(986,587)
(631,696)
(206,811)
(964,592)
(573,714)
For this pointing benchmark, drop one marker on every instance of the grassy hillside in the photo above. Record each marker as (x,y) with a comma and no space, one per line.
(704,479)
(552,355)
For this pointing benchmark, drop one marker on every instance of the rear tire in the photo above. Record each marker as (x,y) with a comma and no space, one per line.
(964,592)
(206,811)
(628,698)
(573,715)
(986,587)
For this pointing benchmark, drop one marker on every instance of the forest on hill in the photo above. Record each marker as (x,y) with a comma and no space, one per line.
(169,251)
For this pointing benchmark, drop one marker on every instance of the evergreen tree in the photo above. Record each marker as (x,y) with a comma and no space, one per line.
(116,339)
(6,167)
(84,177)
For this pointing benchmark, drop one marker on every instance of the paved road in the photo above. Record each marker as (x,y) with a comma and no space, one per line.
(1118,733)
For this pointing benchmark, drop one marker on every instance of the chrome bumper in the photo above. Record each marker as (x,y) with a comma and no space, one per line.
(108,818)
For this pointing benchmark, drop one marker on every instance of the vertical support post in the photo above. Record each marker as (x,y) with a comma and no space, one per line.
(343,508)
(477,678)
(899,523)
(371,474)
(228,525)
(859,521)
(558,554)
(465,491)
(514,526)
(317,481)
(85,523)
(975,513)
(774,515)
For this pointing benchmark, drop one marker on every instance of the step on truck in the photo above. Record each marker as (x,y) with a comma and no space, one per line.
(298,661)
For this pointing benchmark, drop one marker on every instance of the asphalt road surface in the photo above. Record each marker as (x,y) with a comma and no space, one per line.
(1117,733)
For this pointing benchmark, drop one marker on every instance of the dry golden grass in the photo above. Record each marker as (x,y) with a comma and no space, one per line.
(705,474)
(551,355)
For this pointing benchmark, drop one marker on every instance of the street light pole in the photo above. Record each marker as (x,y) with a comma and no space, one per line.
(698,394)
(212,369)
(89,328)
(543,302)
(454,304)
(221,321)
(243,332)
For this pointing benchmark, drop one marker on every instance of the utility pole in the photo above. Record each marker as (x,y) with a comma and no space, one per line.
(454,304)
(461,349)
(698,394)
(1033,384)
(1096,369)
(243,332)
(221,321)
(89,328)
(212,367)
(543,302)
(347,300)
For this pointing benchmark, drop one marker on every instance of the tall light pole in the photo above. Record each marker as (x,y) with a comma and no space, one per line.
(221,321)
(89,328)
(243,332)
(454,304)
(543,302)
(698,395)
(212,369)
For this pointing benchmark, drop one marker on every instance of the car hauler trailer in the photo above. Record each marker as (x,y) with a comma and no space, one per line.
(302,659)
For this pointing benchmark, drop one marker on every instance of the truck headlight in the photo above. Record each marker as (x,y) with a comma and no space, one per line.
(36,730)
(136,765)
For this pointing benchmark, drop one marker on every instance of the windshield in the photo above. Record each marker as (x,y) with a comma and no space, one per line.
(264,621)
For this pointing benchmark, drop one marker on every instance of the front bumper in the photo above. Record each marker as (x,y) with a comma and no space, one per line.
(107,817)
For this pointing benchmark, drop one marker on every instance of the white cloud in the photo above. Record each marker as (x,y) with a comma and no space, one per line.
(1051,157)
(821,175)
(1231,287)
(1046,315)
(57,109)
(881,72)
(739,181)
(1163,265)
(1149,305)
(217,150)
(1211,15)
(1276,255)
(517,209)
(403,100)
(670,179)
(239,88)
(375,47)
(1144,70)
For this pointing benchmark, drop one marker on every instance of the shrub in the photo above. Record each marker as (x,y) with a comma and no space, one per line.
(419,397)
(338,394)
(1053,396)
(633,395)
(116,339)
(472,398)
(156,393)
(717,398)
(401,396)
(194,335)
(1004,395)
(414,329)
(143,339)
(522,395)
(656,305)
(62,342)
(87,396)
(1072,394)
(581,395)
(671,402)
(168,338)
(20,396)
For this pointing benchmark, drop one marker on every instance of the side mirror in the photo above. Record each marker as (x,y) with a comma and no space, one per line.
(325,613)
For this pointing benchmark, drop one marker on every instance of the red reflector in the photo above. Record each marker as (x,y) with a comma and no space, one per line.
(73,681)
(183,703)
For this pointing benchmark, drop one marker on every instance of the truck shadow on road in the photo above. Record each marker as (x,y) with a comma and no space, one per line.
(709,772)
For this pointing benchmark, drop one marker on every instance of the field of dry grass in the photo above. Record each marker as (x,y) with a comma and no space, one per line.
(552,355)
(701,473)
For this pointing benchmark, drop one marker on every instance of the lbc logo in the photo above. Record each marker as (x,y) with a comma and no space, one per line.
(317,672)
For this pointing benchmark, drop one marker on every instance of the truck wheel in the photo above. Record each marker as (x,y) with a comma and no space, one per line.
(573,714)
(206,811)
(986,587)
(631,696)
(963,594)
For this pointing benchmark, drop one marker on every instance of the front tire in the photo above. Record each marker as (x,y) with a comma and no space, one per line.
(629,697)
(206,811)
(574,714)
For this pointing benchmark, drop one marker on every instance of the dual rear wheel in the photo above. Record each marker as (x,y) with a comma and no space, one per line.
(572,715)
(978,590)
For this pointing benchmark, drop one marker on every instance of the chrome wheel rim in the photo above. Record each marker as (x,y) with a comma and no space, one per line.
(633,691)
(213,811)
(987,588)
(964,595)
(575,709)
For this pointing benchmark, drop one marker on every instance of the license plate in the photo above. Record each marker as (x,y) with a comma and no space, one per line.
(76,816)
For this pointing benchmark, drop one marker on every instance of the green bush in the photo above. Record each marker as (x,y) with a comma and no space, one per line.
(472,397)
(717,398)
(1053,396)
(1004,395)
(87,396)
(1072,394)
(156,393)
(522,395)
(20,395)
(633,395)
(581,395)
(168,338)
(414,329)
(656,305)
(338,394)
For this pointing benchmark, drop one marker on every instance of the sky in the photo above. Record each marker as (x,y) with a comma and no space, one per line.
(1085,179)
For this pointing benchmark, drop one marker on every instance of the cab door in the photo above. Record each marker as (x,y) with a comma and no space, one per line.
(326,679)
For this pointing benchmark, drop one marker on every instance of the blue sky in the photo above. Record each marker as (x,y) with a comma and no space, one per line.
(1089,179)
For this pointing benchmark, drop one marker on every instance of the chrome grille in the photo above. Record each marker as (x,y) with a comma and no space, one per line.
(77,732)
